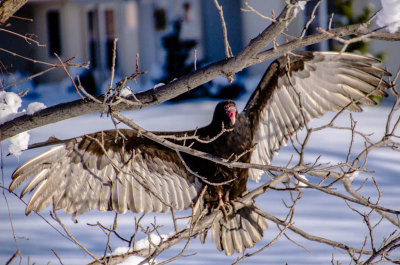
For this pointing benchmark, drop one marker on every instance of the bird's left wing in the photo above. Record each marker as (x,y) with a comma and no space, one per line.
(302,86)
(96,171)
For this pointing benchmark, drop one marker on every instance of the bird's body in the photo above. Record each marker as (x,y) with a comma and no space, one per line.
(215,143)
(108,172)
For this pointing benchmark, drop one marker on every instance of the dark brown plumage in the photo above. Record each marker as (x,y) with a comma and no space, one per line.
(140,175)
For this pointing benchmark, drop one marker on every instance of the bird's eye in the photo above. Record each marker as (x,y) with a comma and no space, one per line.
(226,107)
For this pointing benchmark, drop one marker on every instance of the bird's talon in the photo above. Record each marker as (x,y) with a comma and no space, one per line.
(226,207)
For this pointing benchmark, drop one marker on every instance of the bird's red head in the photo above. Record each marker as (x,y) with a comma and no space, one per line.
(230,110)
(226,113)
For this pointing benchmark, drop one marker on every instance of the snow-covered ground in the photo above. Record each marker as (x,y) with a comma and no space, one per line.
(316,213)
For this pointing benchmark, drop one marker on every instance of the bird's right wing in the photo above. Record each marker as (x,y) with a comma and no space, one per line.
(97,172)
(302,86)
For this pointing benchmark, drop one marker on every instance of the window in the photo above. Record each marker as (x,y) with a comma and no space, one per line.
(110,35)
(160,19)
(53,32)
(187,12)
(92,38)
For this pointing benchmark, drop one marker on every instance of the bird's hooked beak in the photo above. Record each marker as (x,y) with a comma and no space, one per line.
(231,112)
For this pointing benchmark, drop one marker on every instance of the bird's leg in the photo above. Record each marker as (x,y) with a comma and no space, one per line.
(221,204)
(224,202)
(227,200)
(226,197)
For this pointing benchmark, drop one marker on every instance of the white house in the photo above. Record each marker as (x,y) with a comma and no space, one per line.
(86,29)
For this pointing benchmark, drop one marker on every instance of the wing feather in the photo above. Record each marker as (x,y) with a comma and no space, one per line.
(157,204)
(279,124)
(165,194)
(35,181)
(283,111)
(179,195)
(138,197)
(300,87)
(33,165)
(137,175)
(290,104)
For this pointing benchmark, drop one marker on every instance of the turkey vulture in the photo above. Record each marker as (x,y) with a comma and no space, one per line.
(137,174)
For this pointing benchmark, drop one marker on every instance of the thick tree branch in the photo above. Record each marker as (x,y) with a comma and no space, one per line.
(8,8)
(356,30)
(154,96)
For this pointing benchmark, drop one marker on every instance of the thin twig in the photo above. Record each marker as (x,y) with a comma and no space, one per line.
(58,257)
(26,38)
(251,9)
(69,75)
(54,215)
(228,50)
(312,17)
(18,252)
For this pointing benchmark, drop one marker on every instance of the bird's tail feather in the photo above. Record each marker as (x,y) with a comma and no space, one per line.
(239,231)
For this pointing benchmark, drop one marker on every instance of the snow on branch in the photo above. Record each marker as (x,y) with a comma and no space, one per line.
(389,16)
(9,105)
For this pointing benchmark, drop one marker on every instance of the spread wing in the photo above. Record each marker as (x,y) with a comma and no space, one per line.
(303,86)
(134,174)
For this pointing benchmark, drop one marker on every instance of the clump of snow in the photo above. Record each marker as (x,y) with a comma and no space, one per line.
(301,184)
(145,243)
(19,142)
(126,91)
(121,250)
(9,105)
(13,101)
(34,107)
(389,15)
(353,175)
(300,5)
(142,244)
(139,245)
(158,85)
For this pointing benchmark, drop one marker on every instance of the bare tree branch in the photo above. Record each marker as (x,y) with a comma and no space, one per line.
(153,97)
(9,7)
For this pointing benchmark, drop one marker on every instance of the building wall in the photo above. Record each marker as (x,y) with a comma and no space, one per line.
(135,29)
(147,44)
(128,37)
(74,36)
(70,34)
(212,28)
(152,53)
(254,24)
(40,29)
(73,21)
